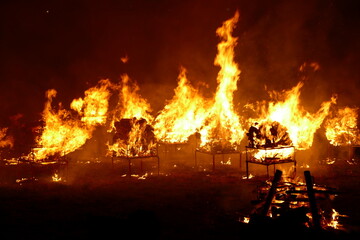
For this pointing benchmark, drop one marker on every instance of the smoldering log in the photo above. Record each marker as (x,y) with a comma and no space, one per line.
(312,200)
(271,193)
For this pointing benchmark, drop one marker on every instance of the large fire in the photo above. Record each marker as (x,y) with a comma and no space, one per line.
(299,124)
(131,122)
(222,128)
(113,121)
(283,124)
(183,115)
(63,132)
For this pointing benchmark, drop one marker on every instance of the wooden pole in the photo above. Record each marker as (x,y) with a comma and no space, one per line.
(271,193)
(312,200)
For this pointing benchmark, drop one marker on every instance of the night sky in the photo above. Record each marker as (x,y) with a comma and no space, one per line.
(71,45)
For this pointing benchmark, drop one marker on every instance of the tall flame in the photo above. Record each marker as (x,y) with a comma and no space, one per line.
(183,115)
(222,125)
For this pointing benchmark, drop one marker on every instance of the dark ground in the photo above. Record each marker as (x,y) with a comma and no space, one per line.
(98,201)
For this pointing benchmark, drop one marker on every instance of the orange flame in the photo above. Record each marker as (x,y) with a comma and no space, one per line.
(299,124)
(63,133)
(341,128)
(131,104)
(94,107)
(222,125)
(138,141)
(5,140)
(183,115)
(273,154)
(135,108)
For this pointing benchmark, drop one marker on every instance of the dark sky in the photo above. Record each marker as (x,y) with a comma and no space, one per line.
(70,45)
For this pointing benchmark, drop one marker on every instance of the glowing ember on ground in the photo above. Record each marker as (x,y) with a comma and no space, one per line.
(248,177)
(56,178)
(334,221)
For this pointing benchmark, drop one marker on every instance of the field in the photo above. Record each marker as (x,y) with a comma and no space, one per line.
(97,199)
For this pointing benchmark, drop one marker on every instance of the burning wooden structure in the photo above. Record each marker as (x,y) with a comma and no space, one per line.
(268,156)
(134,139)
(269,144)
(287,201)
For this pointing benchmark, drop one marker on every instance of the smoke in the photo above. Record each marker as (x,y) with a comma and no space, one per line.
(289,34)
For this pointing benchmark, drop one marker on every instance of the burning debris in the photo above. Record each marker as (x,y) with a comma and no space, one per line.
(131,126)
(5,139)
(22,181)
(133,138)
(268,134)
(294,123)
(269,144)
(341,127)
(56,178)
(290,202)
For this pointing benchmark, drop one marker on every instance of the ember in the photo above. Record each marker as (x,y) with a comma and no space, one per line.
(284,198)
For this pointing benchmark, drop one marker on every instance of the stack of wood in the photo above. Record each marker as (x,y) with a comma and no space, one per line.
(290,205)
